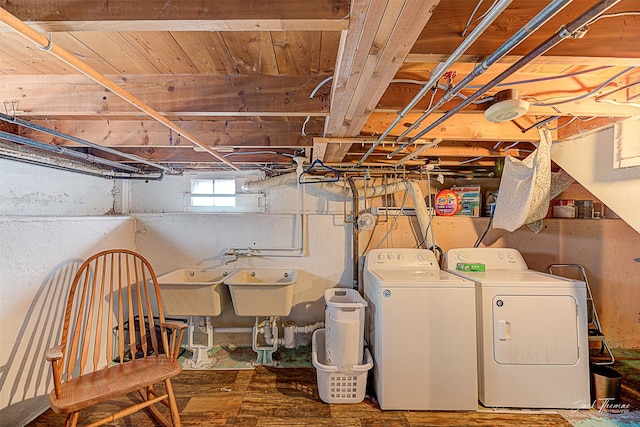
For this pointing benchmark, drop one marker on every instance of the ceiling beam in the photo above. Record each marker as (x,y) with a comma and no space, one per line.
(177,155)
(461,127)
(189,15)
(148,133)
(178,25)
(606,38)
(379,37)
(47,45)
(423,149)
(572,128)
(77,95)
(544,59)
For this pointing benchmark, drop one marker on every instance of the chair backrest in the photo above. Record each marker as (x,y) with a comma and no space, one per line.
(113,314)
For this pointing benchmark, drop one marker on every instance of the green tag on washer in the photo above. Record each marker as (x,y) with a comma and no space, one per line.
(466,266)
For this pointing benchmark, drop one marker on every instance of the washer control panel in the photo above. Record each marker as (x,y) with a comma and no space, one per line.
(394,258)
(492,258)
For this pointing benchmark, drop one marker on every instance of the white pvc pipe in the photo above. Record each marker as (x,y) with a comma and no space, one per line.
(290,330)
(309,328)
(337,189)
(422,213)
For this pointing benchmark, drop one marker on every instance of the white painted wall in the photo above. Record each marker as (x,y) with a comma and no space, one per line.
(33,190)
(39,252)
(36,249)
(590,160)
(172,241)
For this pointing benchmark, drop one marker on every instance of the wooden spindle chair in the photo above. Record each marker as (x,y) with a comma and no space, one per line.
(115,340)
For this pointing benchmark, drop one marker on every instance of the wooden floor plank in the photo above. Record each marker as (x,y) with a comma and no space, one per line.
(278,397)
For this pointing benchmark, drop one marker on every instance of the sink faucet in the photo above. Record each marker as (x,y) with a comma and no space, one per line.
(236,253)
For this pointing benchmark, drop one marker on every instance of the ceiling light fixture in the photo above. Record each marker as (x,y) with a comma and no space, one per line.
(506,106)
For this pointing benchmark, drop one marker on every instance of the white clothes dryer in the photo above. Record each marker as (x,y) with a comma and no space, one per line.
(420,327)
(533,349)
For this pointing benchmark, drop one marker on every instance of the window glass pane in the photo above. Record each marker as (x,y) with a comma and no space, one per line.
(224,186)
(224,201)
(202,201)
(202,186)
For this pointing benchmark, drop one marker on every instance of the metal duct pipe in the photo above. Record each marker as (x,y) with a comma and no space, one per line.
(47,45)
(355,244)
(71,165)
(62,150)
(533,25)
(442,68)
(53,132)
(561,34)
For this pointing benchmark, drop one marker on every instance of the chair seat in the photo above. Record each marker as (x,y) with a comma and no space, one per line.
(81,392)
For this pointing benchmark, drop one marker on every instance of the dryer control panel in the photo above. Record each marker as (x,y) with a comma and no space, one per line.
(492,258)
(394,258)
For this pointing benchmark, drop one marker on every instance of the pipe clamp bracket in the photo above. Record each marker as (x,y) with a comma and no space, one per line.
(49,45)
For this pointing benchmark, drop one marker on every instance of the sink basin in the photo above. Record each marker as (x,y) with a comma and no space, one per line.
(194,292)
(262,292)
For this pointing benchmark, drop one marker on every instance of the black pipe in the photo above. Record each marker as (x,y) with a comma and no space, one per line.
(356,250)
(561,34)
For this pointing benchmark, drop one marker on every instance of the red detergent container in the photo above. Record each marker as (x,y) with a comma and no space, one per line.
(447,203)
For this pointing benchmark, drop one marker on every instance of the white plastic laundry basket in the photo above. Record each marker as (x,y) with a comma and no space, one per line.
(335,386)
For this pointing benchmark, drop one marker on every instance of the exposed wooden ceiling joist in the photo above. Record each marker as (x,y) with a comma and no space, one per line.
(240,77)
(204,95)
(379,38)
(607,38)
(148,133)
(187,15)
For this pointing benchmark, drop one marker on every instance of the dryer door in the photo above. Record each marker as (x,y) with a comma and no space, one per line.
(535,329)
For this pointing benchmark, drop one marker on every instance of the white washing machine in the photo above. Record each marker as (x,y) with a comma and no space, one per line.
(420,326)
(533,349)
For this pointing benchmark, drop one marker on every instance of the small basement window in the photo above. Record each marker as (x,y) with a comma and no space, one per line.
(220,194)
(213,192)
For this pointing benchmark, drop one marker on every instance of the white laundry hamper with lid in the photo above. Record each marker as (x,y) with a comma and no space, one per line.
(344,323)
(335,386)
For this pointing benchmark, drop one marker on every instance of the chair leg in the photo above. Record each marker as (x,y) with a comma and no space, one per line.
(173,407)
(150,393)
(72,419)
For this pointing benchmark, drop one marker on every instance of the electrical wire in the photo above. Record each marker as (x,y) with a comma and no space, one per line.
(549,78)
(625,104)
(574,118)
(513,83)
(470,22)
(311,95)
(486,230)
(240,153)
(544,103)
(395,220)
(614,15)
(598,98)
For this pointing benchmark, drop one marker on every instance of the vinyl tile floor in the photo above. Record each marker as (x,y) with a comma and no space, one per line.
(270,397)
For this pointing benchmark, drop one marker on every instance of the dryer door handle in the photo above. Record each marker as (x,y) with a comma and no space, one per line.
(504,330)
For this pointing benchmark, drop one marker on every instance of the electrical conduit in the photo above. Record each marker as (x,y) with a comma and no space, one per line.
(48,46)
(437,73)
(534,24)
(561,34)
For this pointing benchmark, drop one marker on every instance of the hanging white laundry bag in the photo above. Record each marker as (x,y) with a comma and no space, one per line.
(523,196)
